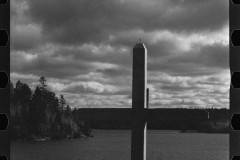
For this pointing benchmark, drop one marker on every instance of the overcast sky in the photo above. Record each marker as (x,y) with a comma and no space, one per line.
(84,49)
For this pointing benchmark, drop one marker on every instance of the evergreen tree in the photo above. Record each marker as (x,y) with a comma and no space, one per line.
(44,108)
(11,91)
(43,81)
(62,103)
(68,112)
(20,98)
(41,114)
(36,111)
(22,93)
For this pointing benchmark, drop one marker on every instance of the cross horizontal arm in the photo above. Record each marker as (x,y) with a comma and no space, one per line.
(149,114)
(104,114)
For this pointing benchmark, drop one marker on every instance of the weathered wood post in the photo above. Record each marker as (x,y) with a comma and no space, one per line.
(139,102)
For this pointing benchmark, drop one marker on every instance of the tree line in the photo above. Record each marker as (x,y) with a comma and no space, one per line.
(182,119)
(41,114)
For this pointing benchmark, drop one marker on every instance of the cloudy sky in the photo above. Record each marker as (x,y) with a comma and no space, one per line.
(84,49)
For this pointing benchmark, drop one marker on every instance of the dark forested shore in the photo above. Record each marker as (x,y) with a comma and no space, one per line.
(209,120)
(42,115)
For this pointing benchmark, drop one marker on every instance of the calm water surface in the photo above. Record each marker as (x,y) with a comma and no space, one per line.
(115,145)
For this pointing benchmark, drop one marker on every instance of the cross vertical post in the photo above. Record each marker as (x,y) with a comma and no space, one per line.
(139,102)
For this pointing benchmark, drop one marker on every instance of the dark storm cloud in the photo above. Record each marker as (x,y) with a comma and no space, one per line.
(93,21)
(48,66)
(176,88)
(25,37)
(207,60)
(105,54)
(215,56)
(182,68)
(86,47)
(197,15)
(211,56)
(115,72)
(81,22)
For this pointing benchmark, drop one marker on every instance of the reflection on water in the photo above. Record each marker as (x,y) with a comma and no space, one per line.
(115,145)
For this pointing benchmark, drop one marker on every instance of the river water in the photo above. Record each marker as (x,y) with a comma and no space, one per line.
(116,145)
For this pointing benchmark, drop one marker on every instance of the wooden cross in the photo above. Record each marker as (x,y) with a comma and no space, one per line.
(139,114)
(139,102)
